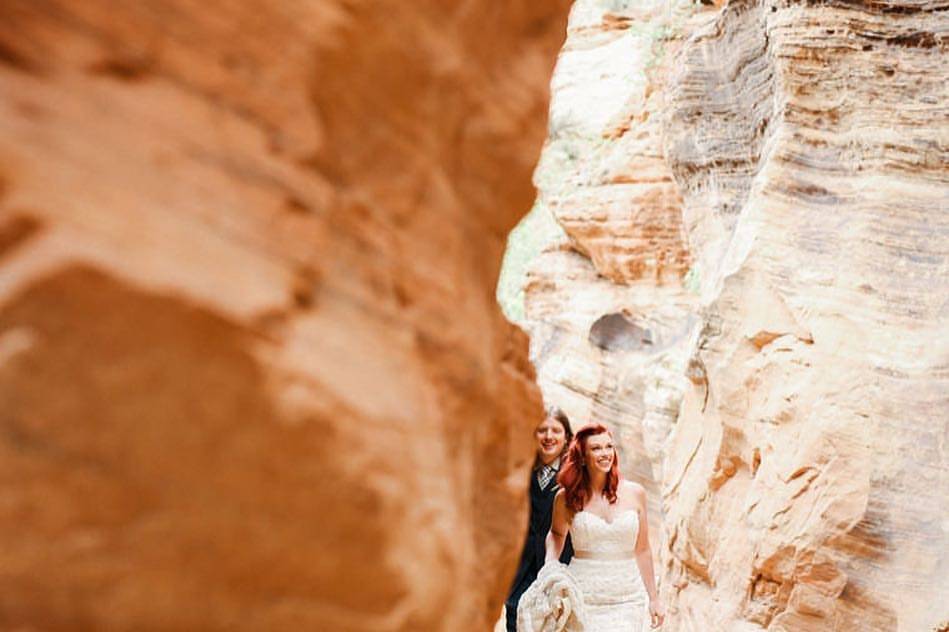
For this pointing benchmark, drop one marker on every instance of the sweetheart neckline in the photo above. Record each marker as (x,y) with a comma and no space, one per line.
(615,518)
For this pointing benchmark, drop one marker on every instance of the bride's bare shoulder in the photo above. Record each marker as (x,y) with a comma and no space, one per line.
(635,490)
(560,499)
(632,486)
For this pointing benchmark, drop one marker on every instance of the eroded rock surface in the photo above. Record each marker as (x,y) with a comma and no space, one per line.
(742,264)
(252,375)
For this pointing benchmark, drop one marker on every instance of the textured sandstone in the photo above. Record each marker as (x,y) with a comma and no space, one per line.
(252,375)
(602,262)
(798,419)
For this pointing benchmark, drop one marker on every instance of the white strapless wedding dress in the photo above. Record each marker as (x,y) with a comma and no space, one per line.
(599,591)
(606,573)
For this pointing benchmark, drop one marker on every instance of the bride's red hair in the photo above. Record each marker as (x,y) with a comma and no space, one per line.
(574,477)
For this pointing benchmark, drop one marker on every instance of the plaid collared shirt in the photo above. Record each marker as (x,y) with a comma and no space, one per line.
(547,473)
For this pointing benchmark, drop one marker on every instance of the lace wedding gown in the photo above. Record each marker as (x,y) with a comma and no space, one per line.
(600,590)
(605,570)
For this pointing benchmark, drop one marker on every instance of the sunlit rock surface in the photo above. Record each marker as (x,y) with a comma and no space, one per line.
(599,271)
(743,269)
(252,375)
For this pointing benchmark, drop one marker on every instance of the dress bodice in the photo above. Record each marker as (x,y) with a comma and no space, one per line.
(591,533)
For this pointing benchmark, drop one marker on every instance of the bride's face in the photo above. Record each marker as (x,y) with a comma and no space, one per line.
(600,453)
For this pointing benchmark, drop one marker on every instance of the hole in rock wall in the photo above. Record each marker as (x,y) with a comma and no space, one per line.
(619,332)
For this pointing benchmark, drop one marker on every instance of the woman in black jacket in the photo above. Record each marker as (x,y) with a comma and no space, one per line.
(553,435)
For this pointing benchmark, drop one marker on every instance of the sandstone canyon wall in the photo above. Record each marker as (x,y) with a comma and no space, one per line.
(738,258)
(252,374)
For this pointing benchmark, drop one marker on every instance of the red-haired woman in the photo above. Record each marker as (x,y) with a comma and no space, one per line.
(606,518)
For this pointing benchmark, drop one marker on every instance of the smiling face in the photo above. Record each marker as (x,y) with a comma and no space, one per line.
(599,453)
(551,436)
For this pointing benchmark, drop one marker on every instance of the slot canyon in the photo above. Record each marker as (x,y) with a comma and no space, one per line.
(285,285)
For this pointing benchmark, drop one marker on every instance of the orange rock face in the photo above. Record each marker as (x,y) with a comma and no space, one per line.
(252,375)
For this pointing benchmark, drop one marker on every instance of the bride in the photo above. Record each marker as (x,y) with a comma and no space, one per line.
(611,573)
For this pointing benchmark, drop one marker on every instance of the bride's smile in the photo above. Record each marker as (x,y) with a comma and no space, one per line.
(600,453)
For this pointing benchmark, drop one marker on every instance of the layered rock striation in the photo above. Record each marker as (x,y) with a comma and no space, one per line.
(743,269)
(252,375)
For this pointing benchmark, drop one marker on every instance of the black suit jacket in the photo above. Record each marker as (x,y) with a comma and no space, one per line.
(535,545)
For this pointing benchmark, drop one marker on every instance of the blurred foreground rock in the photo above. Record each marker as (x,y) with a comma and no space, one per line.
(252,375)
